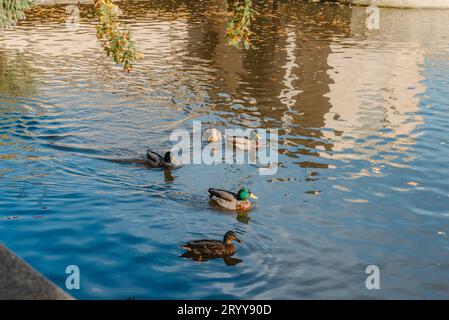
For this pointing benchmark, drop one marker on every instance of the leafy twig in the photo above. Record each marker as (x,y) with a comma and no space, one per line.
(12,11)
(238,28)
(117,43)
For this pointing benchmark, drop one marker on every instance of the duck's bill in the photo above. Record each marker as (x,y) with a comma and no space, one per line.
(238,240)
(253,196)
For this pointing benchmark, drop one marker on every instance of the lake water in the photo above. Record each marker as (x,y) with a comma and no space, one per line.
(363,150)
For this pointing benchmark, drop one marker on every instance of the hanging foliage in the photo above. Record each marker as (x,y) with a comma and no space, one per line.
(12,11)
(117,43)
(238,28)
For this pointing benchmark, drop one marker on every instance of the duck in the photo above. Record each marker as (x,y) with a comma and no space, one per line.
(212,135)
(244,142)
(213,248)
(230,200)
(156,160)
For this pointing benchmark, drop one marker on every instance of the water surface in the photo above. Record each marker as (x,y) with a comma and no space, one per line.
(362,117)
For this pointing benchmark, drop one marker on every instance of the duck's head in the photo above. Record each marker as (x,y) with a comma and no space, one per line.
(229,237)
(212,135)
(168,157)
(244,194)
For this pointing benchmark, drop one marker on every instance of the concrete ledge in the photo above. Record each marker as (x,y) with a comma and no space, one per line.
(422,4)
(19,281)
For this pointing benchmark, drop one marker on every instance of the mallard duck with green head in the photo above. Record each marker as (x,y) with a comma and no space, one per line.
(213,248)
(230,200)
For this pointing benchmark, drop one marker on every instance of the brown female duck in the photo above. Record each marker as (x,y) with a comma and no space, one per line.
(213,248)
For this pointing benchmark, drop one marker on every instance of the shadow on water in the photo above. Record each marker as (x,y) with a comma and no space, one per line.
(229,261)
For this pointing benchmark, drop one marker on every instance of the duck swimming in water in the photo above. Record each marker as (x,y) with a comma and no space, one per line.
(212,135)
(155,160)
(230,200)
(213,248)
(244,142)
(152,160)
